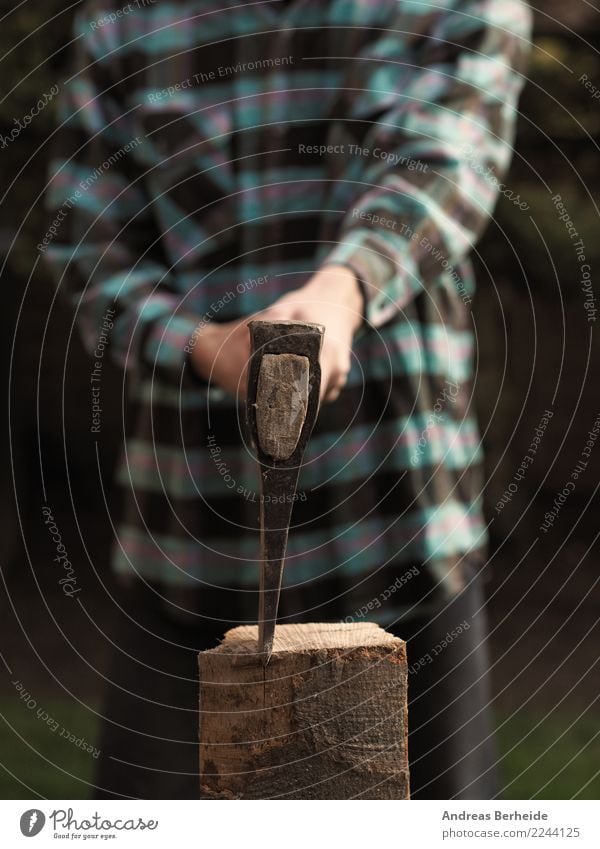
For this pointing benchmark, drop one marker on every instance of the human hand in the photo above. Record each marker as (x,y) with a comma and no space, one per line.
(221,353)
(331,297)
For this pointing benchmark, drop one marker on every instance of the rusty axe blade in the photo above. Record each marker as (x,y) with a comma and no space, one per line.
(282,402)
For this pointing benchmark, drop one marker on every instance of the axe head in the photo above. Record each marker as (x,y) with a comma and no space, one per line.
(282,402)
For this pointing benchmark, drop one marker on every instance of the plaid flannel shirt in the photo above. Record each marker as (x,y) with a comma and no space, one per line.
(212,156)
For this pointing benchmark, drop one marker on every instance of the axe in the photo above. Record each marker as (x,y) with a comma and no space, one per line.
(282,403)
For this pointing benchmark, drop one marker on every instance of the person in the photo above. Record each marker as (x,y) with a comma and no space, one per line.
(331,162)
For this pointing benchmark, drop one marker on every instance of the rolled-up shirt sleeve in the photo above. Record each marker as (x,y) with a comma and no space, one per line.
(434,136)
(102,242)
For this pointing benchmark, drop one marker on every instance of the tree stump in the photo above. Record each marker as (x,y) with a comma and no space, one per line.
(325,719)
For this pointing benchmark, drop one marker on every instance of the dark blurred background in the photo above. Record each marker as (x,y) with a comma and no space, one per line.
(538,350)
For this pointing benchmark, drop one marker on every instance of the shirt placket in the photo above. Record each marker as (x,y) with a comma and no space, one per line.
(264,151)
(276,132)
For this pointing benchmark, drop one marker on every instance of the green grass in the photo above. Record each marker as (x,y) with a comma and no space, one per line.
(558,759)
(45,764)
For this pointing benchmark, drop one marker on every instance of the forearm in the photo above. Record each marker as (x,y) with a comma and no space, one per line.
(418,207)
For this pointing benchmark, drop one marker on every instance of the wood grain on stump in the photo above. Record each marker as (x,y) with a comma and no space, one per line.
(326,719)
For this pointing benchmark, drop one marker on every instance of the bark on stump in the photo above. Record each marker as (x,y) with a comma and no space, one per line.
(326,719)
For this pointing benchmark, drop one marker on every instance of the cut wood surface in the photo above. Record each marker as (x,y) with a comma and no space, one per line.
(326,719)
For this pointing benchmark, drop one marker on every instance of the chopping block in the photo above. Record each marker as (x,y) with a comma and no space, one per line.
(325,719)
